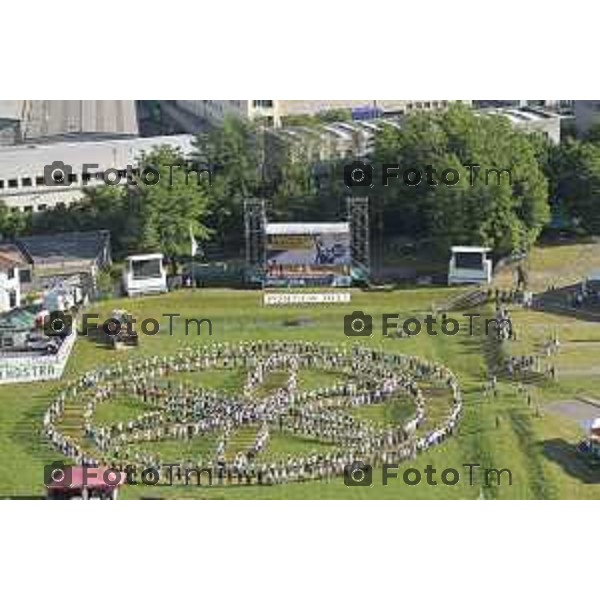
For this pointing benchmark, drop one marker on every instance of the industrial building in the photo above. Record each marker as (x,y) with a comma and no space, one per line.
(24,185)
(26,121)
(330,141)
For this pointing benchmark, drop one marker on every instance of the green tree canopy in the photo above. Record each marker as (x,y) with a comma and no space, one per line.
(503,203)
(575,174)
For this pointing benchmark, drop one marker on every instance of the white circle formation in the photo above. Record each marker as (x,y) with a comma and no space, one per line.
(324,418)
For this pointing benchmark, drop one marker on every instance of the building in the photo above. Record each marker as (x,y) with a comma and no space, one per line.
(12,261)
(274,112)
(531,120)
(469,264)
(587,114)
(26,121)
(323,142)
(26,177)
(144,274)
(355,139)
(558,106)
(47,260)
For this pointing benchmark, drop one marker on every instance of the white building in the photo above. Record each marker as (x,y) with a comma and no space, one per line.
(144,274)
(23,169)
(469,264)
(10,286)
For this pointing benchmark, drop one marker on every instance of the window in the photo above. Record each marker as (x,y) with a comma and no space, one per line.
(14,209)
(72,177)
(42,207)
(1,184)
(26,182)
(25,275)
(146,269)
(12,299)
(28,209)
(11,273)
(468,260)
(262,103)
(39,180)
(13,183)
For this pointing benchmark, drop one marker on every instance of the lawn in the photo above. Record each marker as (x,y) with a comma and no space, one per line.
(503,433)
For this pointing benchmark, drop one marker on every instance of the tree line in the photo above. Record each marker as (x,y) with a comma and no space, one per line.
(506,213)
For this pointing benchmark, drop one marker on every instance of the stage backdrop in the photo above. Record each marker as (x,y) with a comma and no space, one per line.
(308,254)
(308,243)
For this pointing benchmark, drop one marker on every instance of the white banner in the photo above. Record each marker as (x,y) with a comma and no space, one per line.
(16,369)
(308,298)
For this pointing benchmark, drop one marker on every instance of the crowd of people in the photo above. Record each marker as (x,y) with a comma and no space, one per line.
(182,411)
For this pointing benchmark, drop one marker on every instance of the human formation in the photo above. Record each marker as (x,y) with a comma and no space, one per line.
(176,410)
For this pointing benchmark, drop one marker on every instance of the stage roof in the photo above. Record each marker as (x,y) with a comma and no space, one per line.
(467,249)
(306,228)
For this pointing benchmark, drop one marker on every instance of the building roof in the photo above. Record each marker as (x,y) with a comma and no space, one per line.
(12,256)
(306,228)
(55,118)
(473,249)
(154,256)
(28,160)
(523,114)
(60,248)
(7,263)
(19,319)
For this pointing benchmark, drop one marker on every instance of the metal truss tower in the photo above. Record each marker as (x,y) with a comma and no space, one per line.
(255,221)
(358,217)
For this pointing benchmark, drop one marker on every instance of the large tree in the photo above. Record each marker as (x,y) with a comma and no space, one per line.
(235,155)
(177,204)
(145,214)
(574,169)
(504,206)
(13,223)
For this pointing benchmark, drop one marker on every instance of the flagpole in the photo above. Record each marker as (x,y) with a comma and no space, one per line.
(194,249)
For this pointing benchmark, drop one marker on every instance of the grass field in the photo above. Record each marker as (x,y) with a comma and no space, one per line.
(535,443)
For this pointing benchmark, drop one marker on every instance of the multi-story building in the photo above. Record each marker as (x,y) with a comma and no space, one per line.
(274,112)
(24,185)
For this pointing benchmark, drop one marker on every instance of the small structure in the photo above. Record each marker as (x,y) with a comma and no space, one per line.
(122,333)
(144,274)
(16,326)
(589,448)
(83,483)
(469,264)
(594,439)
(12,261)
(72,258)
